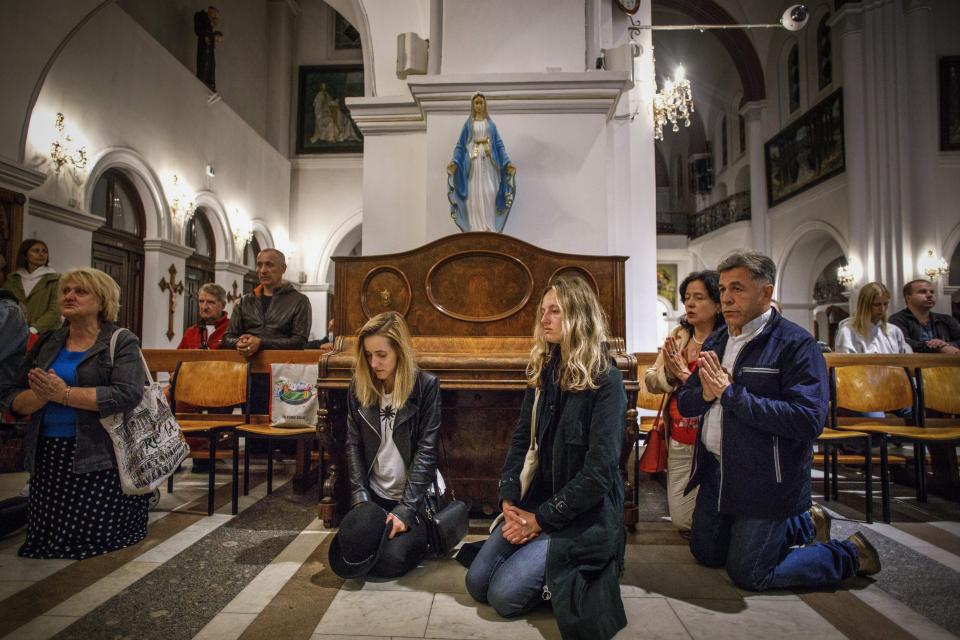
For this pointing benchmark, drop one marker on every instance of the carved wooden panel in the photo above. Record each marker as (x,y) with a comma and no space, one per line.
(479,286)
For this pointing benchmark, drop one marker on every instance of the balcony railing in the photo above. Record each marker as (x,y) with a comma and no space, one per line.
(672,222)
(733,209)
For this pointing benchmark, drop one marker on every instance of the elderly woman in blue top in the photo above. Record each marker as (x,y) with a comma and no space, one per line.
(563,538)
(67,383)
(760,390)
(480,177)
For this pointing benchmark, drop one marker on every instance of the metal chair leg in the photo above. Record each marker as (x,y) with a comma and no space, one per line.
(212,471)
(868,479)
(246,465)
(920,451)
(825,450)
(835,463)
(884,479)
(269,467)
(235,459)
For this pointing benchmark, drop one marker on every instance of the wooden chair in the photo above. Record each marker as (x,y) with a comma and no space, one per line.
(865,389)
(938,389)
(209,385)
(829,441)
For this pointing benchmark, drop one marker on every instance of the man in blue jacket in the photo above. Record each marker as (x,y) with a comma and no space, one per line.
(761,391)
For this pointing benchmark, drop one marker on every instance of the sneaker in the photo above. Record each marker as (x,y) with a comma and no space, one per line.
(821,522)
(868,560)
(154,500)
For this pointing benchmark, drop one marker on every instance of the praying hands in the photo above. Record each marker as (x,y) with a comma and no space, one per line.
(713,378)
(521,526)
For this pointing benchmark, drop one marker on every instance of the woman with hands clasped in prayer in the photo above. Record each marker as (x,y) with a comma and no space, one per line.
(562,534)
(678,358)
(67,383)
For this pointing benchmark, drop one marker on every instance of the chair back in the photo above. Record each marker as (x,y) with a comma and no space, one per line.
(647,400)
(866,388)
(941,389)
(211,383)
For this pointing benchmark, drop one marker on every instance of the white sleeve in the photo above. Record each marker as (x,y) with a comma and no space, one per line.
(844,340)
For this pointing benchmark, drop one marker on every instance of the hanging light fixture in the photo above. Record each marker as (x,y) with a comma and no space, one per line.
(181,206)
(672,104)
(933,266)
(62,151)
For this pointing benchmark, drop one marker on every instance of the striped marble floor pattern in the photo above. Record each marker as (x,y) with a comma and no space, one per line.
(262,574)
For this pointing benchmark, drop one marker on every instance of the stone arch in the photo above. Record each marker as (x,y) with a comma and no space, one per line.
(735,41)
(217,215)
(355,13)
(263,234)
(351,225)
(813,246)
(146,181)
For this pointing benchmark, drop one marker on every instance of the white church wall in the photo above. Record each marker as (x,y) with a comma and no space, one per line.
(395,203)
(32,32)
(387,19)
(241,55)
(505,36)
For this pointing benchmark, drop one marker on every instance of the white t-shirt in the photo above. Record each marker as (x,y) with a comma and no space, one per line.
(388,477)
(712,425)
(849,339)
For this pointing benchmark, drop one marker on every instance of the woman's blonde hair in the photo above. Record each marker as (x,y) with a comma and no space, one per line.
(868,295)
(583,348)
(99,284)
(391,326)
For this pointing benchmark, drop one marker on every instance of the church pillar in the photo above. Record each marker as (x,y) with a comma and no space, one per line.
(159,256)
(753,113)
(281,19)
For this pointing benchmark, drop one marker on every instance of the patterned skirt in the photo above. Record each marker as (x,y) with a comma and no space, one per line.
(78,515)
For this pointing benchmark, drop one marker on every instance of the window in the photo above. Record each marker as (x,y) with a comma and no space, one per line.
(824,54)
(742,133)
(724,153)
(200,267)
(116,199)
(793,79)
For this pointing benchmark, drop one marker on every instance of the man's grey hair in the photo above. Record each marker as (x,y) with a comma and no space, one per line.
(283,258)
(761,267)
(215,290)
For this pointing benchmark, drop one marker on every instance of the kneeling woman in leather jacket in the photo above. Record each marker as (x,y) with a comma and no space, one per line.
(562,538)
(393,423)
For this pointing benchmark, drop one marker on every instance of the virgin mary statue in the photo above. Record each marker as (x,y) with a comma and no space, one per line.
(480,178)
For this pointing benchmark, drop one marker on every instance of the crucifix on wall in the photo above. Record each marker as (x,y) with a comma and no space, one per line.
(174,288)
(233,297)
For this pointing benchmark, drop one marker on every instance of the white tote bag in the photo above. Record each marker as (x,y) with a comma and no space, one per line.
(147,441)
(293,395)
(531,461)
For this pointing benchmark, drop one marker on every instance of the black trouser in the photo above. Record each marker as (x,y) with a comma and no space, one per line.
(405,551)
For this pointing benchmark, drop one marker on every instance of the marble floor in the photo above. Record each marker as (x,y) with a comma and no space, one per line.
(263,574)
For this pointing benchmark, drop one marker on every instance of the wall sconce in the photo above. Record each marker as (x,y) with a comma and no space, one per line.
(242,230)
(182,207)
(845,276)
(933,266)
(62,151)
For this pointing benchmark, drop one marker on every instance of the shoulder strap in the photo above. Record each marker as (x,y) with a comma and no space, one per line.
(113,350)
(533,418)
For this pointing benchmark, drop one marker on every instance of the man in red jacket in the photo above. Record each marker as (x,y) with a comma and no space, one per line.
(208,333)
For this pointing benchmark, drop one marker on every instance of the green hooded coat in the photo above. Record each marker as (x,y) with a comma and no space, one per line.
(43,310)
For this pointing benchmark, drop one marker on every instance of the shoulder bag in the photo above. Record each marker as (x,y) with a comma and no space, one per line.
(147,441)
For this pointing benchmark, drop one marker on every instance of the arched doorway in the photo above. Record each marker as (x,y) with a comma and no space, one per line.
(250,279)
(200,266)
(118,244)
(812,257)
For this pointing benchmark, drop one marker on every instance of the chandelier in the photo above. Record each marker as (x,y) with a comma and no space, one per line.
(62,152)
(672,104)
(182,206)
(242,229)
(933,266)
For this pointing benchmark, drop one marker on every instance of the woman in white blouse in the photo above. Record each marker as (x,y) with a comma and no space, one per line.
(868,330)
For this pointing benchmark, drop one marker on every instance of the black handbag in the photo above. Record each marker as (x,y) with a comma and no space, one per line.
(447,520)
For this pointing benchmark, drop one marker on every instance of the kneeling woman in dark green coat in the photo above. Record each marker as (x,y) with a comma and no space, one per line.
(562,536)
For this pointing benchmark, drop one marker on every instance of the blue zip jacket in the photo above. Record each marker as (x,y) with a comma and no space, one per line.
(772,414)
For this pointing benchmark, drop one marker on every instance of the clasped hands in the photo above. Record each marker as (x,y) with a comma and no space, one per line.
(46,385)
(520,527)
(713,378)
(673,361)
(248,344)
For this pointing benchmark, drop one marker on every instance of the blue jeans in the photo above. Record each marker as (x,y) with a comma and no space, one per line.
(761,554)
(509,576)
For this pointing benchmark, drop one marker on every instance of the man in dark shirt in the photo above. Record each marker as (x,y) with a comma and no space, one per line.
(924,330)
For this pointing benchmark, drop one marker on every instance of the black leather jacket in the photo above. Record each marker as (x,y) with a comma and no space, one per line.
(416,430)
(285,326)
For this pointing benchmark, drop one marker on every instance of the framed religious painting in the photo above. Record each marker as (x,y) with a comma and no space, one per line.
(667,283)
(324,124)
(806,152)
(950,103)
